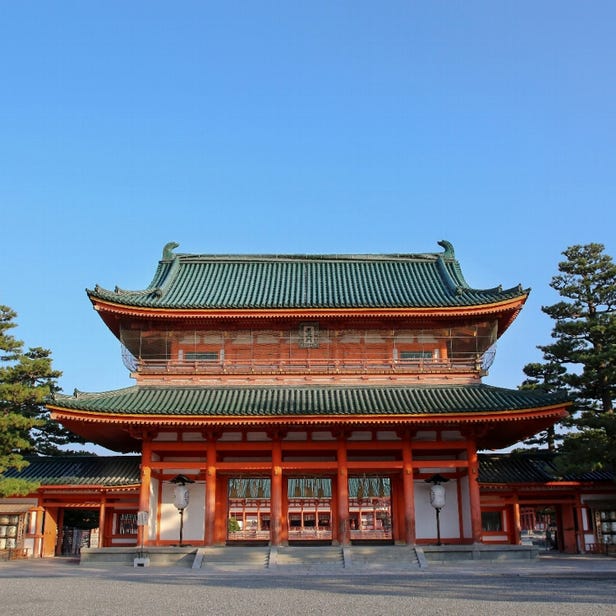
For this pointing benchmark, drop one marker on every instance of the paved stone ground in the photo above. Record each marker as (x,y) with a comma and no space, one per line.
(553,585)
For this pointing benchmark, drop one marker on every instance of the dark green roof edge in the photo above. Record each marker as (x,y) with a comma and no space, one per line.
(84,470)
(116,471)
(197,281)
(531,467)
(297,401)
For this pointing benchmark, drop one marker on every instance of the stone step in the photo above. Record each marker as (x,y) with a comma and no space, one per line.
(235,557)
(390,557)
(370,557)
(306,556)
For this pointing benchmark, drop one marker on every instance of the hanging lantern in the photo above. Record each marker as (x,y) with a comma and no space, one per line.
(180,491)
(437,496)
(437,500)
(180,496)
(180,499)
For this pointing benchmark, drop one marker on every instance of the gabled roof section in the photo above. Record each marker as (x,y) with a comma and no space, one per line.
(109,471)
(295,282)
(530,467)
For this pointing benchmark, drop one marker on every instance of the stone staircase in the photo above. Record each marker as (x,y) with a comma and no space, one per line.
(384,558)
(307,557)
(371,558)
(236,558)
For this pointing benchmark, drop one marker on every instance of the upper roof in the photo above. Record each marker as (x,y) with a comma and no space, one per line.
(287,282)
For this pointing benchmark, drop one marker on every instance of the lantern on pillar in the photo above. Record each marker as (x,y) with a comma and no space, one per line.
(181,498)
(437,500)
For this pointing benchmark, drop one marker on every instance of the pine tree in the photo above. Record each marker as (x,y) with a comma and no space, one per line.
(584,335)
(26,380)
(547,378)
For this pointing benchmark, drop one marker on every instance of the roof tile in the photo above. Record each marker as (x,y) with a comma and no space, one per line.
(188,281)
(309,400)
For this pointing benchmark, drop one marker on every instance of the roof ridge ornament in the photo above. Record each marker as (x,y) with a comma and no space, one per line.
(448,247)
(168,250)
(157,291)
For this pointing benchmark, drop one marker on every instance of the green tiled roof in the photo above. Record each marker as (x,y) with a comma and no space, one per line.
(113,471)
(116,471)
(281,401)
(236,282)
(530,467)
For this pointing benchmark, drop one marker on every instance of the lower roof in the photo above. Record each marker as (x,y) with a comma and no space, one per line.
(531,467)
(262,406)
(115,471)
(80,470)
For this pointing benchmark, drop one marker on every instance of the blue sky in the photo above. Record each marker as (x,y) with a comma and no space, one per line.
(296,127)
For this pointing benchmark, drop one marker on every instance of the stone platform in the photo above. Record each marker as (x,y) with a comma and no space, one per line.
(352,557)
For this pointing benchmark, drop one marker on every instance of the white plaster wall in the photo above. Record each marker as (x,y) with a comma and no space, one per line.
(153,512)
(465,503)
(425,515)
(194,514)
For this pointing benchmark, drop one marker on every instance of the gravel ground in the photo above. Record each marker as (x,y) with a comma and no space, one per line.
(561,586)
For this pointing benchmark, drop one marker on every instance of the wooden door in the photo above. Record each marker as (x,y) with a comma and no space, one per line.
(50,532)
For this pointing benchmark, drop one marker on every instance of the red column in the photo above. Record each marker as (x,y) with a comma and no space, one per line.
(517,524)
(343,493)
(101,522)
(408,487)
(144,493)
(473,489)
(210,493)
(276,493)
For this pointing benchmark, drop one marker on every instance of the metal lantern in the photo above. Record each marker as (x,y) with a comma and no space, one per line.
(437,496)
(181,497)
(437,500)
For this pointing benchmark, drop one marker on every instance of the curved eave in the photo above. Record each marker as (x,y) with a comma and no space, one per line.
(506,310)
(132,419)
(94,487)
(499,428)
(540,485)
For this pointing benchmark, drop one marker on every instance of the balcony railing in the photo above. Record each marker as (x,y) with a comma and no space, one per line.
(312,366)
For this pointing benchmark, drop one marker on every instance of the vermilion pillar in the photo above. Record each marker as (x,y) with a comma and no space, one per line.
(343,492)
(473,489)
(101,522)
(409,493)
(144,494)
(276,493)
(517,524)
(210,493)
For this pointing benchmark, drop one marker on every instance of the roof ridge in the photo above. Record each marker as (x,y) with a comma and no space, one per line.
(447,253)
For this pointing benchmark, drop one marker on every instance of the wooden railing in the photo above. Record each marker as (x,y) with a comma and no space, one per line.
(310,366)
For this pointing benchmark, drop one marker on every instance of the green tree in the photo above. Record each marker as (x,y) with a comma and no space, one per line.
(548,378)
(584,345)
(26,380)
